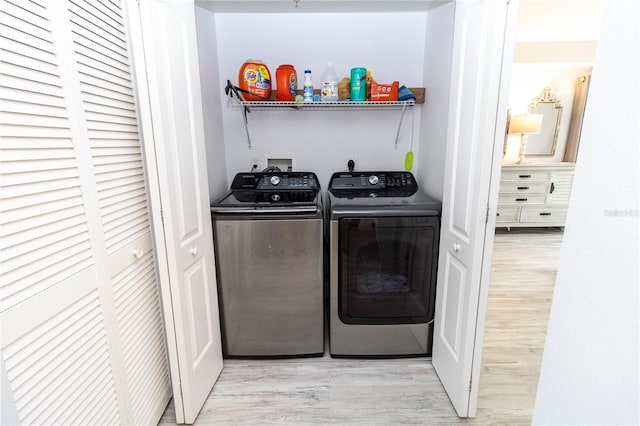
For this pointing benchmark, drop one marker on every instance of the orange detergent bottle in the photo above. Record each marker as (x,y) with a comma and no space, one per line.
(286,83)
(255,78)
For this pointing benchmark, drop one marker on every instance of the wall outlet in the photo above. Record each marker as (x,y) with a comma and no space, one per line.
(345,163)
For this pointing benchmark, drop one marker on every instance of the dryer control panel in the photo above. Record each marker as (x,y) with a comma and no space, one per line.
(373,181)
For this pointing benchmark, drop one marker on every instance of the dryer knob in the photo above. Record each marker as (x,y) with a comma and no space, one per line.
(275,180)
(373,180)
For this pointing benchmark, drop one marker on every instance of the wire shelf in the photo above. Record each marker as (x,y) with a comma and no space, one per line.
(322,106)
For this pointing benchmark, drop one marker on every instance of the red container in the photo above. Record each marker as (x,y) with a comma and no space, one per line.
(384,92)
(254,77)
(286,83)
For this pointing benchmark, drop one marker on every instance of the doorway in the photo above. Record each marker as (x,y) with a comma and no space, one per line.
(525,260)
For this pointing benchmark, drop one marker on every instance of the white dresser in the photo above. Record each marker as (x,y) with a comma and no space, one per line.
(535,194)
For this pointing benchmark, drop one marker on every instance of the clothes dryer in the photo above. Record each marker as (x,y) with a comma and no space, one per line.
(383,238)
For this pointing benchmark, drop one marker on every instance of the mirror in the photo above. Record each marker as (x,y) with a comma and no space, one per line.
(544,143)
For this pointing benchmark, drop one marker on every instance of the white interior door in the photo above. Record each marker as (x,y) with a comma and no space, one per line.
(81,332)
(474,119)
(181,192)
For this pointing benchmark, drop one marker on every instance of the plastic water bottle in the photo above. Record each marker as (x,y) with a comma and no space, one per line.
(329,84)
(308,87)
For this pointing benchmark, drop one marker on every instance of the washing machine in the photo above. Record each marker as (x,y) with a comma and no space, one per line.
(383,236)
(268,238)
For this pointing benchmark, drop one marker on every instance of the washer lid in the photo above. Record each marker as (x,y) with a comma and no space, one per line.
(260,202)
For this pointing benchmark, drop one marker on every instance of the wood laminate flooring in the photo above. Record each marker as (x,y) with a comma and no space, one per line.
(324,390)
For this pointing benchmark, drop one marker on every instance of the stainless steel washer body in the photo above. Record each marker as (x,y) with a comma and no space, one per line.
(383,253)
(268,234)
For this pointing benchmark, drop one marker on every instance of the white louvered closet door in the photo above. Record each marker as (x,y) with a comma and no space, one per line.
(82,334)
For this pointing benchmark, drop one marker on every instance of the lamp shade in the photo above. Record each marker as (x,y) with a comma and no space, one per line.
(526,123)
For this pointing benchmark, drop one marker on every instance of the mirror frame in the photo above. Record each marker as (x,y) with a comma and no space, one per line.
(506,133)
(577,116)
(547,139)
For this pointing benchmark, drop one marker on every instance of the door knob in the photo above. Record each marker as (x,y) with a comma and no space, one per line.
(193,251)
(138,253)
(456,247)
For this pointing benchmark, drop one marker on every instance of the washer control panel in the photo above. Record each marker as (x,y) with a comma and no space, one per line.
(275,187)
(288,181)
(282,181)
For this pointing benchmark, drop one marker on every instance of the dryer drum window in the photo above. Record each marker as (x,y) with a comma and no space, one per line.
(387,269)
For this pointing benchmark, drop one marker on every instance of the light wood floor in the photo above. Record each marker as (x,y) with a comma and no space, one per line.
(407,391)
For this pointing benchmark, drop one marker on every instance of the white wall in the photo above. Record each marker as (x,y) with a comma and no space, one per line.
(212,92)
(591,364)
(437,71)
(554,20)
(392,45)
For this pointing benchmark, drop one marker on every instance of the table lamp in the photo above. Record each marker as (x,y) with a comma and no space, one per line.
(525,124)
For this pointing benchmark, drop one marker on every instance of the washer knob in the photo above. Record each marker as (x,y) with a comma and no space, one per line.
(275,180)
(373,180)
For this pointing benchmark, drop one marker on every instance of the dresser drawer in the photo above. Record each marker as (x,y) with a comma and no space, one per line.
(523,187)
(526,175)
(521,199)
(543,214)
(507,214)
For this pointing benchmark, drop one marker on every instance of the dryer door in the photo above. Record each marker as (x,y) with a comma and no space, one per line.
(387,269)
